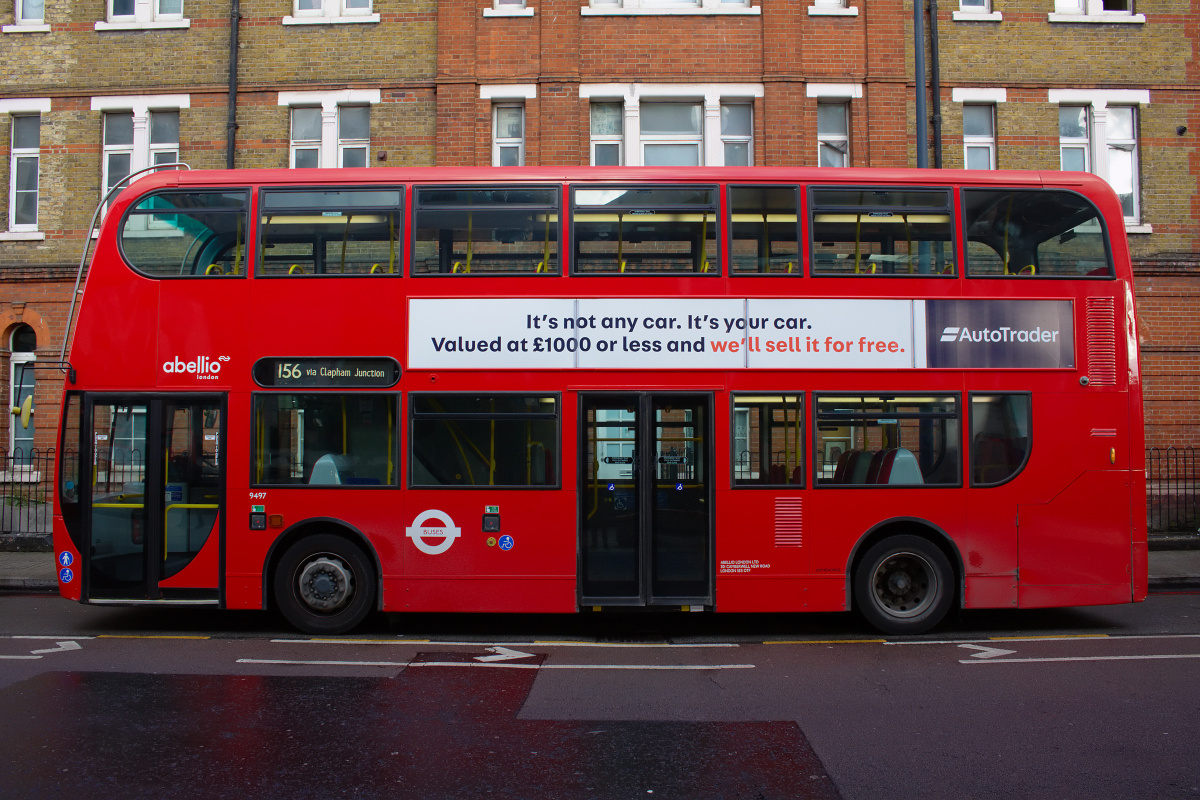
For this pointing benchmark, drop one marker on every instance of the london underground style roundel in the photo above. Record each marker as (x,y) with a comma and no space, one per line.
(421,532)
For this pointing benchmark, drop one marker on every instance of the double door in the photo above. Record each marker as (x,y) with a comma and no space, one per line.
(152,509)
(646,499)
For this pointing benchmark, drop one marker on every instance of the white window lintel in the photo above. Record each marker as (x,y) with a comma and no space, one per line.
(844,91)
(140,104)
(25,105)
(1099,98)
(977,16)
(508,10)
(331,100)
(966,94)
(508,91)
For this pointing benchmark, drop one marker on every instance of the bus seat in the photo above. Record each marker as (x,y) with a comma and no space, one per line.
(843,467)
(777,474)
(876,464)
(797,475)
(900,467)
(328,470)
(862,463)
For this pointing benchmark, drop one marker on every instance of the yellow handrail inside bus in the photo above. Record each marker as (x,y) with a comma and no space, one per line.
(908,238)
(857,234)
(237,251)
(345,239)
(214,269)
(620,243)
(294,268)
(704,243)
(375,268)
(545,265)
(1007,221)
(765,259)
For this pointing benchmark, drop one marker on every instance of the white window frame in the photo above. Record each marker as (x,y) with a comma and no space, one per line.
(508,8)
(667,7)
(1093,11)
(976,12)
(23,154)
(507,142)
(1097,102)
(23,24)
(737,138)
(329,103)
(712,151)
(832,8)
(18,363)
(606,139)
(508,95)
(21,107)
(147,14)
(142,153)
(981,97)
(843,93)
(350,143)
(331,12)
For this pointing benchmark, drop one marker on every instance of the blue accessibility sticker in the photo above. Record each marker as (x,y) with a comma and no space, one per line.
(66,575)
(506,542)
(65,559)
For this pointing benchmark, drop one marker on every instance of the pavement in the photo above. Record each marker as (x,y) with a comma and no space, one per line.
(1174,566)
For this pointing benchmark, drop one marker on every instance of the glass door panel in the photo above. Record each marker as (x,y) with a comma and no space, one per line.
(116,554)
(646,500)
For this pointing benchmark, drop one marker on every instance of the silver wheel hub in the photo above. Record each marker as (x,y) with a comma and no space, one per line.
(904,585)
(325,583)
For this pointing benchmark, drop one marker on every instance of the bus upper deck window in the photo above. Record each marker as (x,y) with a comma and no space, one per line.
(646,230)
(763,230)
(1034,233)
(330,232)
(187,234)
(480,231)
(882,231)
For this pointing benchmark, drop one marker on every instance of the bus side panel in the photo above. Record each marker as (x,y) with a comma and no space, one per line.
(1075,550)
(63,544)
(760,594)
(527,566)
(762,550)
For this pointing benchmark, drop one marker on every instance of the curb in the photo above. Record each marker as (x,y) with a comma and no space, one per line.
(28,586)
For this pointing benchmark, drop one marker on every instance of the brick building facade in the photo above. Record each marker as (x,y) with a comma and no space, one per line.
(89,91)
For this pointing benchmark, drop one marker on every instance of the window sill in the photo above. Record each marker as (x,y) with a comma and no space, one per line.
(359,18)
(144,26)
(22,236)
(1102,19)
(977,16)
(832,11)
(1143,228)
(602,11)
(508,12)
(25,29)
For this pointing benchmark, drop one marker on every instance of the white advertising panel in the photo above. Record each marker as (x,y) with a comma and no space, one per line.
(830,334)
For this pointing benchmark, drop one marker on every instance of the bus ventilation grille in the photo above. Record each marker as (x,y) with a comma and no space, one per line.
(1101,341)
(789,522)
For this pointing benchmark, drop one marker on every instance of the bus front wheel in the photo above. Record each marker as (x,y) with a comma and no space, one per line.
(903,585)
(324,584)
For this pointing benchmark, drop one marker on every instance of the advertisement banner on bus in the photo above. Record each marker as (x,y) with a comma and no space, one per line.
(738,333)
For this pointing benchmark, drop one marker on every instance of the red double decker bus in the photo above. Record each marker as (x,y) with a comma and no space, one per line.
(563,390)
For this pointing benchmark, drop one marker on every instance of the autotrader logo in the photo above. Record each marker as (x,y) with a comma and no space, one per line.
(950,335)
(999,334)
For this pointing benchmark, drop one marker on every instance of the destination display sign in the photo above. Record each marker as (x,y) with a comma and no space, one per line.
(327,373)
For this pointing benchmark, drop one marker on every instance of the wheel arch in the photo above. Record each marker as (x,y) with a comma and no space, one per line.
(297,531)
(913,526)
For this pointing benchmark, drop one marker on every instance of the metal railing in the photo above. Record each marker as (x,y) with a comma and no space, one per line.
(26,480)
(1172,481)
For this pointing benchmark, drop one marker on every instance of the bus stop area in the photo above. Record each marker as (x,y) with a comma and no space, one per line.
(1174,564)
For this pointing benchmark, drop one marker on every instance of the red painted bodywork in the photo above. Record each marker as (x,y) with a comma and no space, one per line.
(1068,530)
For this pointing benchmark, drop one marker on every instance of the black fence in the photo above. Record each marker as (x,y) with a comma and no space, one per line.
(1171,489)
(26,480)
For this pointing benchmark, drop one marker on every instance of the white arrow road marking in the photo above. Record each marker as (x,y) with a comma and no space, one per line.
(62,647)
(503,654)
(987,652)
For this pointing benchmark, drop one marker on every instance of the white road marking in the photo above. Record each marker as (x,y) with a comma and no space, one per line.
(62,647)
(306,663)
(536,643)
(1081,658)
(503,654)
(987,652)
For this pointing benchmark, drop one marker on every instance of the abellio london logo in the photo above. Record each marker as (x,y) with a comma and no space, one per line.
(205,368)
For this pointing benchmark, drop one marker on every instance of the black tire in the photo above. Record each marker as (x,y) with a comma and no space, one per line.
(903,585)
(325,584)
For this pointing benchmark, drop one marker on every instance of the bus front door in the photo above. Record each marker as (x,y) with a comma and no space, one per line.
(646,500)
(153,504)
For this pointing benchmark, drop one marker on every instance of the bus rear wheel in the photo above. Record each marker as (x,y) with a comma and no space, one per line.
(324,584)
(903,585)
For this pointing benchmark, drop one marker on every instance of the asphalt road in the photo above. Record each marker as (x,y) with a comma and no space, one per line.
(131,703)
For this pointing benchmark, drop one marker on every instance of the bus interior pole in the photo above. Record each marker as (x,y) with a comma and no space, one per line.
(922,119)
